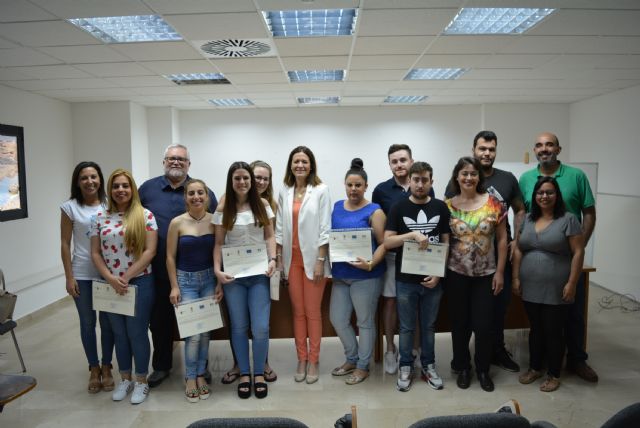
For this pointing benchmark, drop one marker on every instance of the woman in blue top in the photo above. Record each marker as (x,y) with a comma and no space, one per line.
(357,285)
(190,268)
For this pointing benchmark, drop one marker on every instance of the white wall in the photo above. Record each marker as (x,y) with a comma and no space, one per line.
(139,143)
(30,248)
(606,130)
(163,130)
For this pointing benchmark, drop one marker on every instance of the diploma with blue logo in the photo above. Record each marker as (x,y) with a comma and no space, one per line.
(245,260)
(346,245)
(198,316)
(428,262)
(105,299)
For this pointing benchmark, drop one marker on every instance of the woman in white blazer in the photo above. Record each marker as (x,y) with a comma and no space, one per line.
(302,237)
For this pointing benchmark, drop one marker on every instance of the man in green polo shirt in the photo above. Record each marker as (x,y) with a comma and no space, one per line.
(579,200)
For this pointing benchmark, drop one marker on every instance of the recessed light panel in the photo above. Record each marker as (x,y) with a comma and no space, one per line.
(231,102)
(197,78)
(297,76)
(128,29)
(318,100)
(495,20)
(311,23)
(405,99)
(435,73)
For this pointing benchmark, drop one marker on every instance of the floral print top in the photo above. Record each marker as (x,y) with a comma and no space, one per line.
(109,228)
(471,248)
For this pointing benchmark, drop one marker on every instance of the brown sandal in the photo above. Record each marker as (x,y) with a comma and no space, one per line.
(94,380)
(529,376)
(550,384)
(107,379)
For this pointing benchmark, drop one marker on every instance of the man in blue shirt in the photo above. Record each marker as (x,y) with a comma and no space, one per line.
(164,197)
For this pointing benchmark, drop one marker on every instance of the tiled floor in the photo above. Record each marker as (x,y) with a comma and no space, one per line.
(51,345)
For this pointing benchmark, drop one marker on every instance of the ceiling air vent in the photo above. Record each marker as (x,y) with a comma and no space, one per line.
(235,48)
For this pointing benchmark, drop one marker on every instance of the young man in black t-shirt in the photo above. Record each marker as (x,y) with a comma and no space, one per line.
(425,220)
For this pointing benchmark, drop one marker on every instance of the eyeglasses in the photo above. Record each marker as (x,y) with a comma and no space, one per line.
(175,159)
(545,192)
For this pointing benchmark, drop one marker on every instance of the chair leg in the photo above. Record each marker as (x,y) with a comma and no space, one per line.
(15,341)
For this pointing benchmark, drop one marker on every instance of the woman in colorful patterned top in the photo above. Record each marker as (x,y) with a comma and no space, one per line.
(357,285)
(87,198)
(190,269)
(473,273)
(244,218)
(123,242)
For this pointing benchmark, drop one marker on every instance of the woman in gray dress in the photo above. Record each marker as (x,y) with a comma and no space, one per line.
(546,265)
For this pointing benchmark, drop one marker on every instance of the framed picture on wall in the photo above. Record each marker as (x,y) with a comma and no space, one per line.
(13,179)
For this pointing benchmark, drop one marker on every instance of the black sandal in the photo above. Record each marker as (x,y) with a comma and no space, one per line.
(261,389)
(230,377)
(244,388)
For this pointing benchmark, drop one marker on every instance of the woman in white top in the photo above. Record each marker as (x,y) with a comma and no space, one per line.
(302,234)
(87,198)
(244,218)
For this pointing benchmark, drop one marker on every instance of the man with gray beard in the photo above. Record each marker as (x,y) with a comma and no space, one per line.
(164,197)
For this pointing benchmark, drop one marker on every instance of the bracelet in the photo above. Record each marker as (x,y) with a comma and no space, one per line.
(321,259)
(278,254)
(370,263)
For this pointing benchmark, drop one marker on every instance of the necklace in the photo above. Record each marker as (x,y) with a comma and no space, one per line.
(197,220)
(300,193)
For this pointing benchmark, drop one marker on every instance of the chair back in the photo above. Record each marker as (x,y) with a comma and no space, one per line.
(266,422)
(7,301)
(481,420)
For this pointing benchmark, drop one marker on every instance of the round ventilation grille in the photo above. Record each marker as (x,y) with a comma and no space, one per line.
(235,48)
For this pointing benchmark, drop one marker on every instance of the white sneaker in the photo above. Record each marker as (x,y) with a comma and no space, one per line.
(391,361)
(405,378)
(140,392)
(511,406)
(431,376)
(122,389)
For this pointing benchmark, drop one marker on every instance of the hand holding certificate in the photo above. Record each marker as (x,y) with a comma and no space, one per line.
(245,260)
(346,245)
(428,262)
(198,316)
(106,299)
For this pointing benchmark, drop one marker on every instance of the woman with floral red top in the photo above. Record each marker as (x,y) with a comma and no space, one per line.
(123,242)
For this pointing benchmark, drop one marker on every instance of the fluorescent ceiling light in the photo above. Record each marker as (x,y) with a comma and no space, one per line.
(127,29)
(197,78)
(316,75)
(435,73)
(306,23)
(318,100)
(495,20)
(405,99)
(231,102)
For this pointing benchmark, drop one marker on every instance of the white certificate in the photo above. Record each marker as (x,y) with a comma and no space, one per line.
(429,262)
(346,245)
(106,299)
(198,316)
(245,260)
(274,285)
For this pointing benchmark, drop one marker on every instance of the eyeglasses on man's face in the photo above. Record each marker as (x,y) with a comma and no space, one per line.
(176,159)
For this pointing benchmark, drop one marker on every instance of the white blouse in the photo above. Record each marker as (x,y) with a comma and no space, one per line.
(245,230)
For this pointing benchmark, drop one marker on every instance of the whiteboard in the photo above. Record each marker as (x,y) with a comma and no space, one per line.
(589,168)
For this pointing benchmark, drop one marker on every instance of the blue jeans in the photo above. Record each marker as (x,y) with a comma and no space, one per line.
(84,305)
(131,333)
(361,295)
(412,298)
(249,303)
(195,285)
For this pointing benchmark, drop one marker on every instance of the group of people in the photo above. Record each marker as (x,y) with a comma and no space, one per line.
(166,240)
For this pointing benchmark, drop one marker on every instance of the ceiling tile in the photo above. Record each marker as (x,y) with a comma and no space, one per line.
(157,51)
(159,90)
(137,81)
(380,88)
(376,75)
(200,6)
(91,8)
(451,61)
(79,92)
(54,72)
(255,78)
(315,62)
(268,95)
(37,85)
(84,54)
(47,33)
(6,44)
(404,22)
(203,90)
(21,11)
(241,65)
(589,23)
(210,26)
(24,56)
(13,74)
(275,102)
(114,69)
(397,45)
(297,4)
(468,44)
(178,67)
(361,101)
(413,4)
(304,46)
(382,62)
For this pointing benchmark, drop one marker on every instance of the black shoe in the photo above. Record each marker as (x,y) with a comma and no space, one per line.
(464,379)
(502,358)
(157,377)
(485,381)
(244,388)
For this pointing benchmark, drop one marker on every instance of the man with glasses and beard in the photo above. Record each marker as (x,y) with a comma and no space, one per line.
(579,200)
(164,196)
